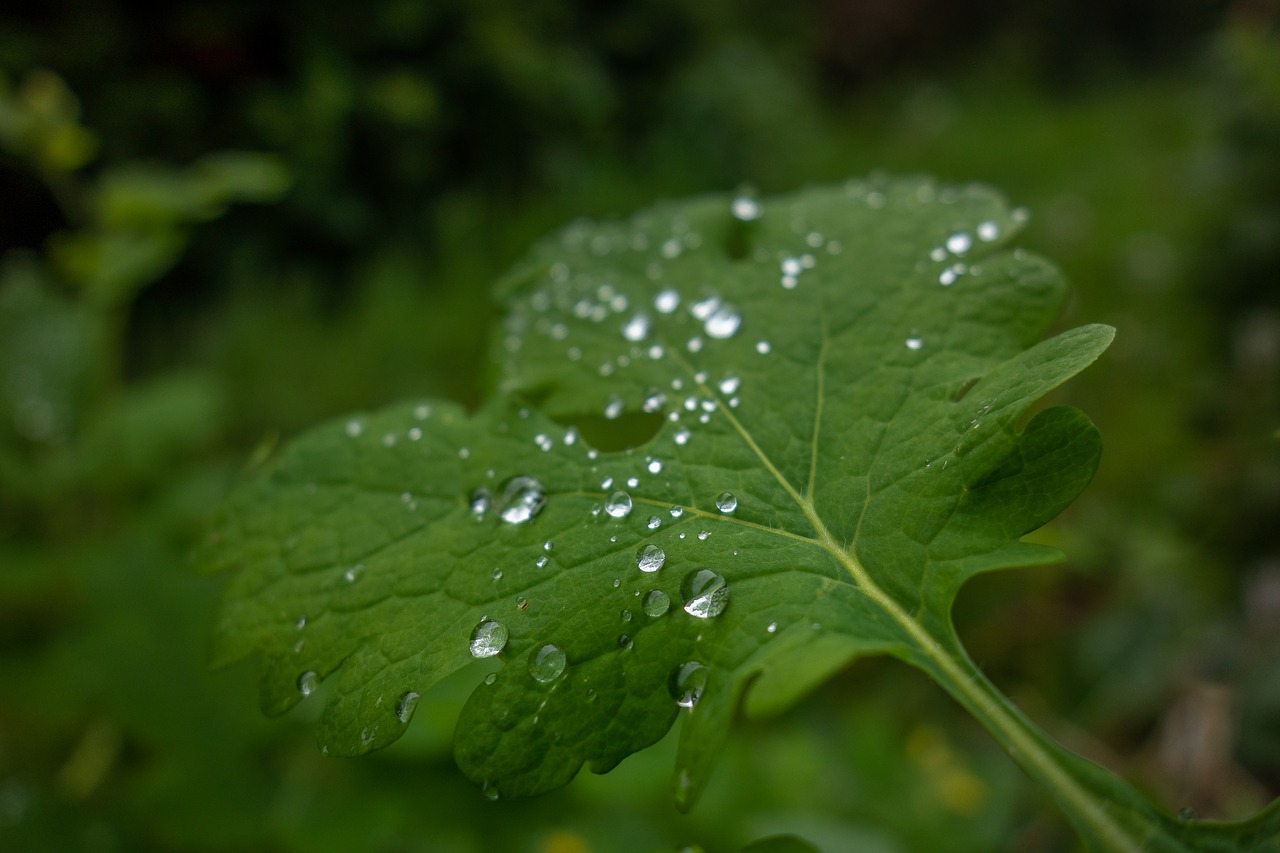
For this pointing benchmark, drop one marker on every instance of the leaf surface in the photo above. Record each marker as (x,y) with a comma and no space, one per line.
(825,403)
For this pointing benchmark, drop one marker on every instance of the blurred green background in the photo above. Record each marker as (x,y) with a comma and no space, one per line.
(220,223)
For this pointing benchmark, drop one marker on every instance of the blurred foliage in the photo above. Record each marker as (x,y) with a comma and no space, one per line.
(152,335)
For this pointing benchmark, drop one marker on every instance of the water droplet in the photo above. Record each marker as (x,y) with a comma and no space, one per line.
(307,683)
(491,678)
(666,301)
(636,328)
(677,511)
(522,603)
(653,523)
(653,402)
(404,708)
(746,209)
(490,792)
(626,615)
(415,434)
(522,499)
(1187,814)
(548,546)
(354,428)
(687,683)
(771,627)
(682,436)
(694,344)
(791,266)
(763,347)
(704,593)
(488,638)
(481,500)
(704,535)
(497,573)
(915,343)
(544,442)
(618,505)
(959,243)
(988,231)
(547,664)
(353,574)
(726,502)
(625,642)
(723,323)
(300,622)
(729,385)
(613,408)
(656,603)
(650,558)
(541,562)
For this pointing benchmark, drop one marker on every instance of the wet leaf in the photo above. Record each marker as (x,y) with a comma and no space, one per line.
(835,391)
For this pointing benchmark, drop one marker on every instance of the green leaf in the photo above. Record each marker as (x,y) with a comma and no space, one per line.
(818,411)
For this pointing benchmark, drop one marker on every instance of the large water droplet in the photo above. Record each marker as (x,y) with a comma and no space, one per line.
(656,603)
(704,593)
(522,499)
(687,683)
(618,505)
(547,664)
(404,708)
(307,683)
(488,638)
(650,558)
(726,503)
(723,323)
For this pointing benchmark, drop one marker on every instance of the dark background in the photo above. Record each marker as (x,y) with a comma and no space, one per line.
(167,310)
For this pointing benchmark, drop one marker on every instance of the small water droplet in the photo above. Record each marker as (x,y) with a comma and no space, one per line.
(677,511)
(746,209)
(763,347)
(404,708)
(726,502)
(626,615)
(547,664)
(497,573)
(625,642)
(704,535)
(613,408)
(682,436)
(541,562)
(914,343)
(636,328)
(687,683)
(656,603)
(522,499)
(771,627)
(481,500)
(653,402)
(307,683)
(653,523)
(704,593)
(988,231)
(729,385)
(522,603)
(723,323)
(666,301)
(354,428)
(650,558)
(300,622)
(353,574)
(491,678)
(618,505)
(959,243)
(488,638)
(654,466)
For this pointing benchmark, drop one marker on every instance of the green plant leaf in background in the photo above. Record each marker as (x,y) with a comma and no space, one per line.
(738,444)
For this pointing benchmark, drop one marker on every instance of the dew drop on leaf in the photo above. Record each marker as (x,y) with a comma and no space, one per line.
(656,603)
(666,301)
(618,505)
(723,323)
(687,683)
(547,664)
(636,328)
(988,231)
(959,243)
(914,343)
(404,708)
(488,638)
(307,683)
(729,385)
(746,209)
(682,436)
(654,522)
(726,502)
(481,500)
(650,558)
(704,593)
(522,499)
